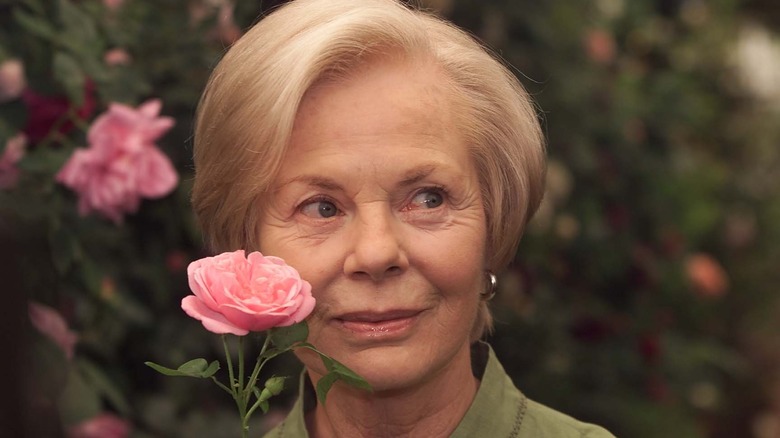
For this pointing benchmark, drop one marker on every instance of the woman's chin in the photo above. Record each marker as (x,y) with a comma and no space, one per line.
(385,368)
(389,369)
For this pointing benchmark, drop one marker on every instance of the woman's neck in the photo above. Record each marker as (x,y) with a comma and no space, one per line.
(430,409)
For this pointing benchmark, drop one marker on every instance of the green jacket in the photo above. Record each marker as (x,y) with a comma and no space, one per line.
(499,410)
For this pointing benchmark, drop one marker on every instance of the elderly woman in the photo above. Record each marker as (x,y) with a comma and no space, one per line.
(393,162)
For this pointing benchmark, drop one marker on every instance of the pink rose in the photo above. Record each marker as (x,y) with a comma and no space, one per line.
(12,81)
(13,152)
(52,325)
(122,164)
(234,294)
(104,425)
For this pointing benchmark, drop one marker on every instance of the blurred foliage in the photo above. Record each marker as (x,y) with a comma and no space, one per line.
(642,297)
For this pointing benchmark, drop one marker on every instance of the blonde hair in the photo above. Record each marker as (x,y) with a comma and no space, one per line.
(246,114)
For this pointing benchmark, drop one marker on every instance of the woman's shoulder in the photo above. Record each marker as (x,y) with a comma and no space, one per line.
(500,409)
(543,421)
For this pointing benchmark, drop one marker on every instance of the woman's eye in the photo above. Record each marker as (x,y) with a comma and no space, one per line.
(320,209)
(428,199)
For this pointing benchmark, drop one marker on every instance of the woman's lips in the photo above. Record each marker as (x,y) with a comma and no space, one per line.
(379,324)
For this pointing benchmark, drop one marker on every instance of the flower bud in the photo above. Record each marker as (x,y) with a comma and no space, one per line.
(275,385)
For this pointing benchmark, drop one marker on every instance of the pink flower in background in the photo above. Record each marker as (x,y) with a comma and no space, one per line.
(706,275)
(113,4)
(13,152)
(237,294)
(600,46)
(116,57)
(124,129)
(122,164)
(176,261)
(104,425)
(52,325)
(12,81)
(227,30)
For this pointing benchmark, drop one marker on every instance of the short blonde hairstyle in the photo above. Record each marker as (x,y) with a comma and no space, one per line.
(245,116)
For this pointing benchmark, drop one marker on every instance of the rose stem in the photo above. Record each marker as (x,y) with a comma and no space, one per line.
(255,373)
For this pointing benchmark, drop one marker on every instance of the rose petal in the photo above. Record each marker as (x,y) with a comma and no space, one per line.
(155,174)
(212,321)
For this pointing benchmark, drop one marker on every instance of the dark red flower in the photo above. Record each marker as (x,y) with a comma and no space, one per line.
(43,112)
(591,330)
(649,347)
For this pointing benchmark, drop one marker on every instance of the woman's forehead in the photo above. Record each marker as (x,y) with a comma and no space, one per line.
(389,98)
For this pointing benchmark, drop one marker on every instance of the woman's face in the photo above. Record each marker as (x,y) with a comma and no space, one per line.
(378,205)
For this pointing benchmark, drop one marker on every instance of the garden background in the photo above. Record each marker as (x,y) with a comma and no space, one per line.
(643,297)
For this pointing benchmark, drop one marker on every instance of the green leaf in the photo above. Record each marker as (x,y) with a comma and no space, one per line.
(104,386)
(335,367)
(193,367)
(285,337)
(326,360)
(271,353)
(79,34)
(324,385)
(34,25)
(49,368)
(212,369)
(64,247)
(199,368)
(264,406)
(128,307)
(46,161)
(35,5)
(69,74)
(13,116)
(164,370)
(79,27)
(336,371)
(91,275)
(349,376)
(79,400)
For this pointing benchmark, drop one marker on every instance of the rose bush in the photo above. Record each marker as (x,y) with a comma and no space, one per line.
(237,294)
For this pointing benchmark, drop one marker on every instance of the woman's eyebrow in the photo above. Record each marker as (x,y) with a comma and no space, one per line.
(410,177)
(417,174)
(320,182)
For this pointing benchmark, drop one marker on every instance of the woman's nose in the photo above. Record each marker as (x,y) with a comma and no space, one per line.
(376,249)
